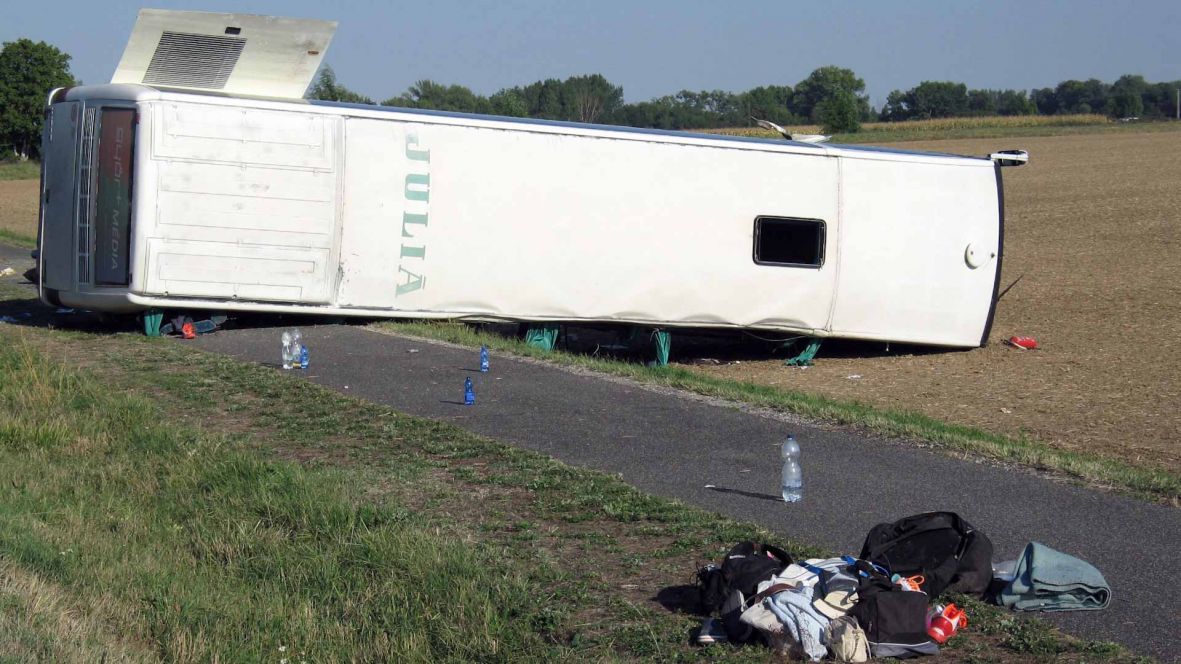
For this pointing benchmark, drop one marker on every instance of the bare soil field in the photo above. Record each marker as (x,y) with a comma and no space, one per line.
(1094,225)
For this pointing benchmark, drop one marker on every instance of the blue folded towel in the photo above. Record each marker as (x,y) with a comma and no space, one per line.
(1049,580)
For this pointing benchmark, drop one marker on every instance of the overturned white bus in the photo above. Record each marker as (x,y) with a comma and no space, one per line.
(178,187)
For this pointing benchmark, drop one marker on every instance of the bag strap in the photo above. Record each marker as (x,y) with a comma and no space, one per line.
(769,591)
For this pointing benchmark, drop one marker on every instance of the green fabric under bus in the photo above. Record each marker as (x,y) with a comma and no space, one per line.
(663,341)
(804,359)
(152,320)
(543,336)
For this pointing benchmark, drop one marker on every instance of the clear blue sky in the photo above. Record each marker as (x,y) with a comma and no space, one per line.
(662,46)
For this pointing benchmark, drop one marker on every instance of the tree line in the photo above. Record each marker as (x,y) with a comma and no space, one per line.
(833,97)
(1129,97)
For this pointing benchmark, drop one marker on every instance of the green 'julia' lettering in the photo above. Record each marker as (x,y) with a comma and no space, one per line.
(422,180)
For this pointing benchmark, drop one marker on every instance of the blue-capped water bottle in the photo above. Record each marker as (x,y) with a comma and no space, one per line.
(484,358)
(303,357)
(792,485)
(469,392)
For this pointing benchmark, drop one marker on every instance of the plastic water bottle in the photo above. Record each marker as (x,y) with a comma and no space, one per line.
(484,359)
(793,476)
(469,392)
(303,357)
(286,338)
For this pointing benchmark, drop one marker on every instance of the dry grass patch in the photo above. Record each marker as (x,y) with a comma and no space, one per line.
(43,622)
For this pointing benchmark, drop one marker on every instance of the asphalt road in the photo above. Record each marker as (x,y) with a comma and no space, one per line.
(674,444)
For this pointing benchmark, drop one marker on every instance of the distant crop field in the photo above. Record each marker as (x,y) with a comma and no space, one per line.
(944,124)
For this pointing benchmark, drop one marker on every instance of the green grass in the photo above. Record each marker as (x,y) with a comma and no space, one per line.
(17,239)
(170,504)
(1146,482)
(20,170)
(198,549)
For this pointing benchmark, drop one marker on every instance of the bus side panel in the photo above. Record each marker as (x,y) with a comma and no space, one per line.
(57,234)
(526,225)
(906,231)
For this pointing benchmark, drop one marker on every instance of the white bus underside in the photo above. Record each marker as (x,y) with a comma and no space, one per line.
(155,199)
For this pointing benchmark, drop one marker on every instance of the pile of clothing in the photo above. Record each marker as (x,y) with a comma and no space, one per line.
(880,603)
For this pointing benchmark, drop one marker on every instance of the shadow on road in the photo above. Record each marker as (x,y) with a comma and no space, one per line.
(748,494)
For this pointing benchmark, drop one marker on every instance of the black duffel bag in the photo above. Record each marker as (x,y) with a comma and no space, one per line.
(947,551)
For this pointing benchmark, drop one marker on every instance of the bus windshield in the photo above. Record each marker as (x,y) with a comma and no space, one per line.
(112,206)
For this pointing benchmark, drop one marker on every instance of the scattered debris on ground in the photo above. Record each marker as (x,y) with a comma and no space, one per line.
(885,601)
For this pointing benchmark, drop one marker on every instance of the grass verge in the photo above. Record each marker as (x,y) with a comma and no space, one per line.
(20,170)
(163,503)
(17,239)
(1146,482)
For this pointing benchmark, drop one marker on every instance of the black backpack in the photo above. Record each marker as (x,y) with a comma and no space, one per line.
(894,620)
(742,569)
(946,550)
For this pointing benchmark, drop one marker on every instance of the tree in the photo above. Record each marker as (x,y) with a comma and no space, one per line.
(587,98)
(839,113)
(826,82)
(983,102)
(770,102)
(1014,102)
(327,89)
(28,71)
(1045,100)
(1127,97)
(895,109)
(937,99)
(1088,96)
(510,103)
(1160,99)
(429,94)
(543,99)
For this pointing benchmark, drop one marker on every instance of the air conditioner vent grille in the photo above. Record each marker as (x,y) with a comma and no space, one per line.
(193,61)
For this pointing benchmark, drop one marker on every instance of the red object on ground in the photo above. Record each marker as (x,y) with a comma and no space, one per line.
(188,332)
(1024,343)
(945,624)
